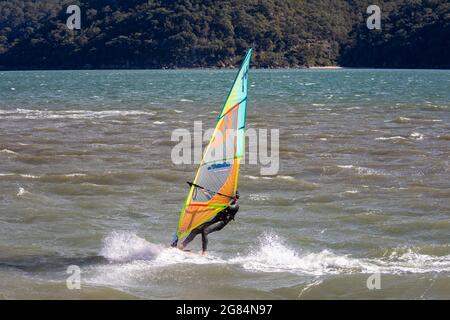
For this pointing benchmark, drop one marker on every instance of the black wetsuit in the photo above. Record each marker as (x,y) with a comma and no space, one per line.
(215,224)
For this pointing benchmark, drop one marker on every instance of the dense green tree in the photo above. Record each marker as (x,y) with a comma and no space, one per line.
(200,33)
(414,34)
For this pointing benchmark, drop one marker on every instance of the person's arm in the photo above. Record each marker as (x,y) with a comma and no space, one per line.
(231,211)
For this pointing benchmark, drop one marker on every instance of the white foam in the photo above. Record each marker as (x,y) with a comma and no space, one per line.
(125,246)
(21,192)
(158,122)
(6,174)
(391,138)
(410,261)
(8,151)
(290,178)
(75,175)
(258,197)
(286,177)
(133,258)
(363,171)
(29,176)
(416,136)
(314,283)
(70,114)
(273,255)
(122,246)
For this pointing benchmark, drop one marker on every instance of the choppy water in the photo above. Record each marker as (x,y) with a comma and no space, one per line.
(86,179)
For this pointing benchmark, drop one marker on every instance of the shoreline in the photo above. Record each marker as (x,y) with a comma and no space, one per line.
(328,68)
(220,68)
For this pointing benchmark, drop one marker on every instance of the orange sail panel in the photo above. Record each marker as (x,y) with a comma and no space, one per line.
(216,180)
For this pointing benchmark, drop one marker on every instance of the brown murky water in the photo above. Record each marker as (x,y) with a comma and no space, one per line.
(86,179)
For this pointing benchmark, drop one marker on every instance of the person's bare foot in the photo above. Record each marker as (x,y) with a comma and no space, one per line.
(204,253)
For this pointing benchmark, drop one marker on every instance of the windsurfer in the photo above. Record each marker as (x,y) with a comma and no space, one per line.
(215,224)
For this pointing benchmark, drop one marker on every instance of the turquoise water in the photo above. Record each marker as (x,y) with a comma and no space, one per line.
(124,89)
(86,179)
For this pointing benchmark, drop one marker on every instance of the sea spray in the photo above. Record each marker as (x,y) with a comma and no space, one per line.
(274,255)
(122,246)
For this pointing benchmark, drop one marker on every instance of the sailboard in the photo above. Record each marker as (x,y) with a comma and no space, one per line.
(215,183)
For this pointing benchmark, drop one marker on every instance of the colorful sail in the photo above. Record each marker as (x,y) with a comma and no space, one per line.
(216,180)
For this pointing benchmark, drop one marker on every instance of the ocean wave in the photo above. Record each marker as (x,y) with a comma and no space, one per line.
(410,260)
(290,178)
(26,176)
(363,171)
(29,176)
(132,258)
(22,192)
(94,179)
(391,138)
(7,151)
(69,114)
(287,181)
(125,246)
(6,174)
(273,255)
(402,120)
(416,136)
(84,189)
(46,177)
(258,197)
(74,175)
(413,136)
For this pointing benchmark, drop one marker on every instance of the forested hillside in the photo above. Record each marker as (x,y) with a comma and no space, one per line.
(216,33)
(415,34)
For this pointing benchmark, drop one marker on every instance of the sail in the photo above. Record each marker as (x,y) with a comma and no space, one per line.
(216,180)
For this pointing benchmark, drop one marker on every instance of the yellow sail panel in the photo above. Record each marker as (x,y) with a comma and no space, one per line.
(197,213)
(216,180)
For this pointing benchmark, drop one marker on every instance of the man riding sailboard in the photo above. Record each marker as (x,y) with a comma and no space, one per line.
(215,224)
(212,200)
